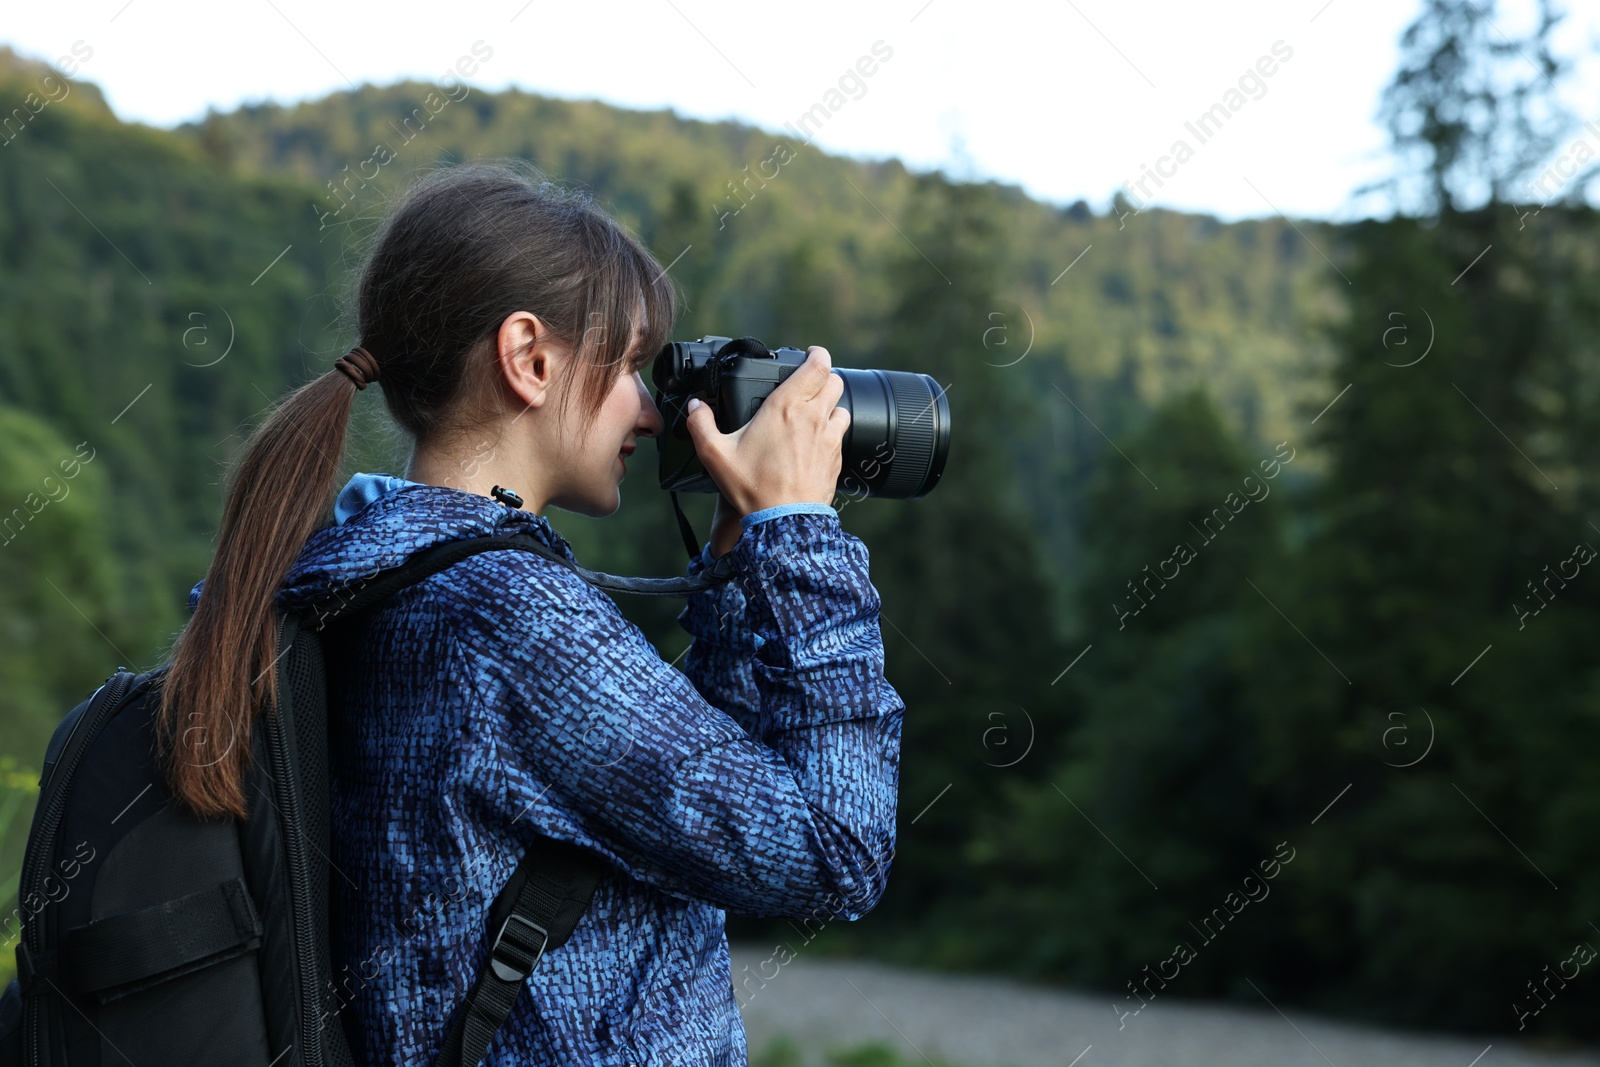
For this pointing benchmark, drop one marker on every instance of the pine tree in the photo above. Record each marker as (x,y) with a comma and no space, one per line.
(966,607)
(1154,788)
(1452,491)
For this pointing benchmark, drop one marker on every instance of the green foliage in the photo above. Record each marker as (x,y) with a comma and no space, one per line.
(1470,110)
(970,542)
(60,609)
(1161,756)
(780,1051)
(1162,303)
(58,601)
(1434,518)
(137,314)
(871,1054)
(19,792)
(1407,697)
(784,1051)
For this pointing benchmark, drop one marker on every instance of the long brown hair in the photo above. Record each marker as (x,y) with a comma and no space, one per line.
(463,249)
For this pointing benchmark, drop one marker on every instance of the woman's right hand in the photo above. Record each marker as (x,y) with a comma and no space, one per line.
(791,452)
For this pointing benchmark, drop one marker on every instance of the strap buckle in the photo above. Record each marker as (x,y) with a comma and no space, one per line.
(721,569)
(514,958)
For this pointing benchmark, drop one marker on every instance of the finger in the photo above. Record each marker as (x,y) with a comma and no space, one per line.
(839,421)
(832,389)
(813,374)
(702,426)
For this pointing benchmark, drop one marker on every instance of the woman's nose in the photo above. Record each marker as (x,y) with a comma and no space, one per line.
(651,424)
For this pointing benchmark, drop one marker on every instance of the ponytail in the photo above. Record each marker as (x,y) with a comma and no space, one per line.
(223,665)
(465,247)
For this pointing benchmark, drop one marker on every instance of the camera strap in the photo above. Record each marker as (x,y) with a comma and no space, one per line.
(691,543)
(431,560)
(719,573)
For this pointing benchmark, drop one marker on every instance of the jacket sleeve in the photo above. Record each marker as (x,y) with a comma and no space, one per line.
(612,748)
(720,661)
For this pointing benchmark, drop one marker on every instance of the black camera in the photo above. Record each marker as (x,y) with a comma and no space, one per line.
(899,430)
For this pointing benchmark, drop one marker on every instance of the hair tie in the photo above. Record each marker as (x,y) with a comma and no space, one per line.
(359,365)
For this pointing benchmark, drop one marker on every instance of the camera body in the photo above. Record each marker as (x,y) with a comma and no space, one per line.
(899,431)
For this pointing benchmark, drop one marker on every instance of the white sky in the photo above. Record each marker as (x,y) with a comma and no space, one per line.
(1066,99)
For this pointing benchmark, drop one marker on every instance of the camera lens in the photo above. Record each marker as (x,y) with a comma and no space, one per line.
(899,433)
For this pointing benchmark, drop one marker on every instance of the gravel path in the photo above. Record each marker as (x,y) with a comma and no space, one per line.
(986,1022)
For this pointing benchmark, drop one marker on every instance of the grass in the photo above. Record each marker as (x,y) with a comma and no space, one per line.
(784,1051)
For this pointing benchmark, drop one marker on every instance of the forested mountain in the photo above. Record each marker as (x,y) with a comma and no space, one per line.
(1163,301)
(1072,677)
(161,288)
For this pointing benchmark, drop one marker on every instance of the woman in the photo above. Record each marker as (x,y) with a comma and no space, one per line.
(503,698)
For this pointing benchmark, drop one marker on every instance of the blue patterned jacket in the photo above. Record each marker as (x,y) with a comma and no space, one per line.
(505,698)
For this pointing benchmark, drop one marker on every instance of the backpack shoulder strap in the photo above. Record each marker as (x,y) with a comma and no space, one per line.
(540,905)
(535,912)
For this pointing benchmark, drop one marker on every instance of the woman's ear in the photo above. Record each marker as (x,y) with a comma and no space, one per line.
(528,355)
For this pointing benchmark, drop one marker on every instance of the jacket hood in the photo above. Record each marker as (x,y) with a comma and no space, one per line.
(381,521)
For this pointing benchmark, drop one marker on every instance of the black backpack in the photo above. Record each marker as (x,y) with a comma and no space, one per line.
(152,937)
